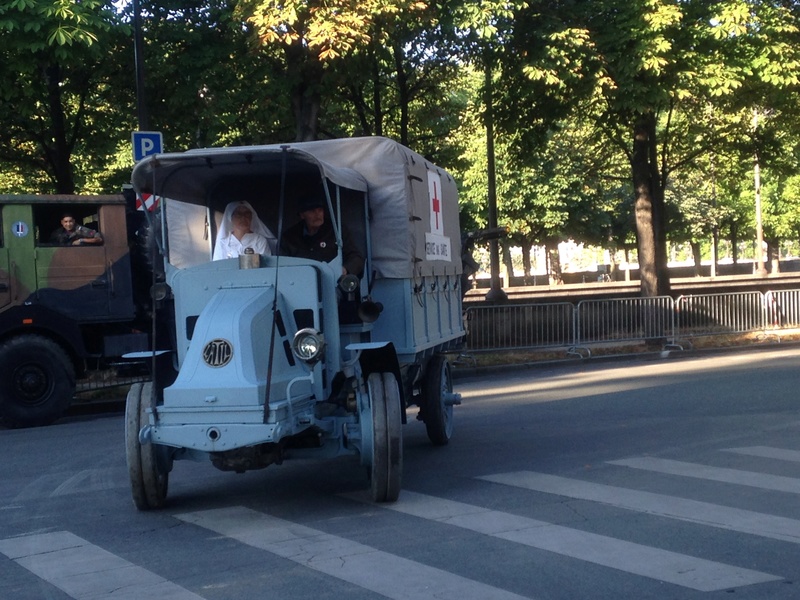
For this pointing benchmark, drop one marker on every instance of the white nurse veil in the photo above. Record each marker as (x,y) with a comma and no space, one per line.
(226,228)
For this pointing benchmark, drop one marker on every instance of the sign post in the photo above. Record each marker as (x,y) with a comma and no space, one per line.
(146,143)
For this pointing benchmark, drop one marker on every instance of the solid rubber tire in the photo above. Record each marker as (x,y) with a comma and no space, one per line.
(438,417)
(394,422)
(386,467)
(149,482)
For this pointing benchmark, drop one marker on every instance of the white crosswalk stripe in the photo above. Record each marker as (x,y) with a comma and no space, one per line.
(663,565)
(371,569)
(674,467)
(83,570)
(767,452)
(694,511)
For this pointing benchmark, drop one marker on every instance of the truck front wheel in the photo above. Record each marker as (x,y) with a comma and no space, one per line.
(37,381)
(148,465)
(386,468)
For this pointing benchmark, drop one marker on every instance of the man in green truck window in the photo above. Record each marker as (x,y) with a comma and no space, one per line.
(72,234)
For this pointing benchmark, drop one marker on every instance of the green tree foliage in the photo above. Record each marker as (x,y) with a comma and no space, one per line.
(612,118)
(573,187)
(409,88)
(315,37)
(209,80)
(650,61)
(59,60)
(207,83)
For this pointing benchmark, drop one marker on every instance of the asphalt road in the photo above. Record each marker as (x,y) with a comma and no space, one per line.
(641,479)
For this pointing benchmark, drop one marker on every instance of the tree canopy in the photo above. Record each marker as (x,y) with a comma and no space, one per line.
(618,122)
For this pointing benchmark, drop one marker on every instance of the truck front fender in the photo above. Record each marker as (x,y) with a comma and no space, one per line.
(380,357)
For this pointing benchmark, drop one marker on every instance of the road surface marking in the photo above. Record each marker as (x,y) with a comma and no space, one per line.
(83,570)
(90,480)
(774,483)
(387,574)
(662,565)
(767,452)
(694,511)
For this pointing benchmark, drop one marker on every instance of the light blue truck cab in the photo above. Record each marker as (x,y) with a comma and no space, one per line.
(276,356)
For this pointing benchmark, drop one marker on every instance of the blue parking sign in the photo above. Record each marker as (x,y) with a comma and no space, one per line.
(146,143)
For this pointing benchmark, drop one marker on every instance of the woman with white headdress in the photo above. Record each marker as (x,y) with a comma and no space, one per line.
(241,229)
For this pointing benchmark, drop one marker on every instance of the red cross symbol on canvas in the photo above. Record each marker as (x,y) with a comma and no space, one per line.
(436,204)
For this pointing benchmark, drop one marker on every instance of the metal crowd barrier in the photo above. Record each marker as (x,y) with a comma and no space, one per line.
(520,326)
(623,320)
(577,328)
(104,380)
(782,309)
(716,314)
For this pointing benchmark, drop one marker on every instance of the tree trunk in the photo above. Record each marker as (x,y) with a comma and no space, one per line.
(56,148)
(627,264)
(361,109)
(613,267)
(305,73)
(649,209)
(403,92)
(714,271)
(554,264)
(774,254)
(526,261)
(377,96)
(507,262)
(698,259)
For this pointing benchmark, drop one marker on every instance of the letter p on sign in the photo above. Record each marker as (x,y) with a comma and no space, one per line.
(146,143)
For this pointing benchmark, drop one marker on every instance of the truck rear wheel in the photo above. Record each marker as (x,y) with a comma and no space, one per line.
(148,472)
(436,412)
(37,381)
(386,468)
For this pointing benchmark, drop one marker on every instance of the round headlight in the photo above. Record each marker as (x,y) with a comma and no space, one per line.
(348,283)
(159,291)
(308,344)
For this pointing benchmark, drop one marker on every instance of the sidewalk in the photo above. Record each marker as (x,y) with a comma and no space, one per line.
(467,364)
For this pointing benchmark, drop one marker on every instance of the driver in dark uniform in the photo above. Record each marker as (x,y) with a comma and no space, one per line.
(313,237)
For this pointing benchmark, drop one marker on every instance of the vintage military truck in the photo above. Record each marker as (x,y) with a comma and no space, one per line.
(65,311)
(278,356)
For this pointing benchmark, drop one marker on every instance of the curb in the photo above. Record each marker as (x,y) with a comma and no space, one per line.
(467,373)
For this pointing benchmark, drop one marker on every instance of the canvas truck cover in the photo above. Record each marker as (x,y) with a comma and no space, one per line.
(414,228)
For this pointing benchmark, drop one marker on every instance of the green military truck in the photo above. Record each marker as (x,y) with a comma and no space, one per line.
(66,311)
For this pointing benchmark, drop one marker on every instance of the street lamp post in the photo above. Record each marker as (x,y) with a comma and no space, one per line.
(138,54)
(495,293)
(761,270)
